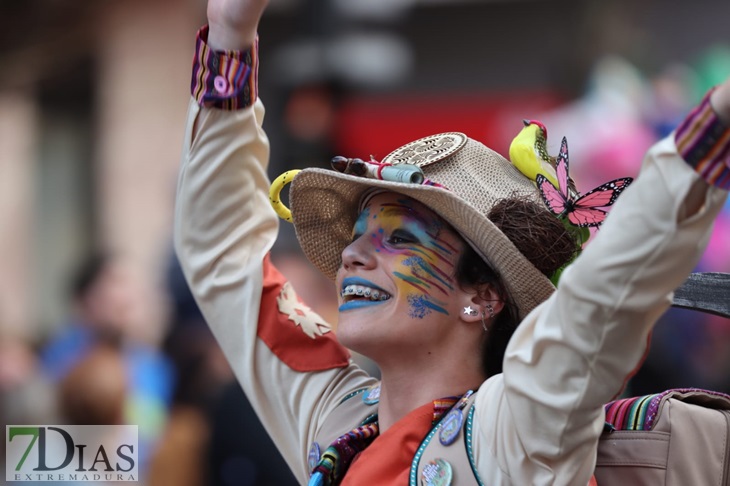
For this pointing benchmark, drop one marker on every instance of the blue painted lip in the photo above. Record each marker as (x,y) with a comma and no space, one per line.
(361,281)
(356,304)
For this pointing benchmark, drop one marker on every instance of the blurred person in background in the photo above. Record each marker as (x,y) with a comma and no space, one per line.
(26,394)
(212,436)
(94,391)
(537,412)
(103,297)
(180,456)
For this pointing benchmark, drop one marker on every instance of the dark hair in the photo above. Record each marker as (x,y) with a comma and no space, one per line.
(473,271)
(542,239)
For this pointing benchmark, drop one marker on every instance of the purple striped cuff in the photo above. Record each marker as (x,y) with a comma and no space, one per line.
(703,141)
(224,79)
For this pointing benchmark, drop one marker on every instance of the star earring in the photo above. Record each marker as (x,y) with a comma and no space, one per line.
(469,311)
(472,312)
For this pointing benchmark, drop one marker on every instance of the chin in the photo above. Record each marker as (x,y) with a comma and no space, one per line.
(357,336)
(349,333)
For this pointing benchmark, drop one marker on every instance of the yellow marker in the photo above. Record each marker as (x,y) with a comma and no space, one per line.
(274,194)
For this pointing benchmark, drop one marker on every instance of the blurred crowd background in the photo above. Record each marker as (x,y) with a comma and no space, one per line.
(96,322)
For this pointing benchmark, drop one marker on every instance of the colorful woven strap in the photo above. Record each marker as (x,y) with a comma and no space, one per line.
(630,413)
(640,413)
(338,456)
(227,80)
(441,406)
(703,141)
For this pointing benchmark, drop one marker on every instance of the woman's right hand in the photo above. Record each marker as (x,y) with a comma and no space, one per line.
(233,23)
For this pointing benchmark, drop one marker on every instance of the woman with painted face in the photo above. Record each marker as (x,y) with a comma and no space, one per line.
(489,374)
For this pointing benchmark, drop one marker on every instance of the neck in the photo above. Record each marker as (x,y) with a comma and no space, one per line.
(403,389)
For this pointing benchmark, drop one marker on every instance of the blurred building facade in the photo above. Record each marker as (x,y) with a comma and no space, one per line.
(93,98)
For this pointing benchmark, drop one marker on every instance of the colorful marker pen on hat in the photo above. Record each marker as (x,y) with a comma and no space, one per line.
(406,173)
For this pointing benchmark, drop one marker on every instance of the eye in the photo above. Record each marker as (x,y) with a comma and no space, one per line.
(400,237)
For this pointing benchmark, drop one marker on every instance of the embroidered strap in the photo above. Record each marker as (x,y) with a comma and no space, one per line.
(703,141)
(630,413)
(224,79)
(338,456)
(441,406)
(640,413)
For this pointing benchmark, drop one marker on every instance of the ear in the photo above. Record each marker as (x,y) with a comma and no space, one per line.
(477,301)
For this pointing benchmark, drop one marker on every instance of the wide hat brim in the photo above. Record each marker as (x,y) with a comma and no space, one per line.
(325,206)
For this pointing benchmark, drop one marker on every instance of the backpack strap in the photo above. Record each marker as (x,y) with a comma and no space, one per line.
(705,292)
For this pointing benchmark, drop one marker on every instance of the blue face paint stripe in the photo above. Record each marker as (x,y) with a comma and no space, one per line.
(412,280)
(426,254)
(428,282)
(421,307)
(445,250)
(427,268)
(435,307)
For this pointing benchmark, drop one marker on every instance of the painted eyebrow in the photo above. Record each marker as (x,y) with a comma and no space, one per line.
(361,222)
(397,209)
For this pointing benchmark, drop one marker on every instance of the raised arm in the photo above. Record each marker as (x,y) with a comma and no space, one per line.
(234,23)
(288,362)
(577,350)
(720,101)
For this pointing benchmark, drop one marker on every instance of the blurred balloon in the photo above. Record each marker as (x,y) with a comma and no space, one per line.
(605,128)
(712,68)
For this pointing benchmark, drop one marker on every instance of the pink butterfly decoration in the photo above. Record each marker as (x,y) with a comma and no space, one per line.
(581,210)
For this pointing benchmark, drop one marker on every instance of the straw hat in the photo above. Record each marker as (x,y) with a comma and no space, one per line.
(325,205)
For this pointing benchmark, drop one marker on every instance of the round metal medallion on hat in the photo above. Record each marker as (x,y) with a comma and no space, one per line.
(314,454)
(427,150)
(437,473)
(372,396)
(451,427)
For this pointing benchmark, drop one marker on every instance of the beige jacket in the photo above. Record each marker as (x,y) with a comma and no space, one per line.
(538,422)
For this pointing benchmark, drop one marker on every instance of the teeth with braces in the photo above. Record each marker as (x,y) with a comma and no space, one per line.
(363,291)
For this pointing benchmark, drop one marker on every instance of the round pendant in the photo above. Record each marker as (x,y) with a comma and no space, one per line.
(372,396)
(437,473)
(451,427)
(313,457)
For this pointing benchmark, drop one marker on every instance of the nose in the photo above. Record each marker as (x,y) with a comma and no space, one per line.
(360,253)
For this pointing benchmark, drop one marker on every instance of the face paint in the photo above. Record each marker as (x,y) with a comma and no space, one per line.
(361,225)
(424,262)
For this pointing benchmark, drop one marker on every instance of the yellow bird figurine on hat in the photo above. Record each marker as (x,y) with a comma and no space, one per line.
(528,152)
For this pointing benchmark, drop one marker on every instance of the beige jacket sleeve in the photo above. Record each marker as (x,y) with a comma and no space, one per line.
(224,228)
(539,423)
